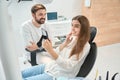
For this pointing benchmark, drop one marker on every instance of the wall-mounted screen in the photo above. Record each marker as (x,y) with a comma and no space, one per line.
(52,16)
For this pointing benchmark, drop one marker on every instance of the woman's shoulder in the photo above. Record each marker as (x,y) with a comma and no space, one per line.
(87,45)
(85,50)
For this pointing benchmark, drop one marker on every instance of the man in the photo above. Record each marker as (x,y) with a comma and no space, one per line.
(34,31)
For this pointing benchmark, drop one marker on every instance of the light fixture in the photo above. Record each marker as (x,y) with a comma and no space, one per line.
(43,1)
(23,0)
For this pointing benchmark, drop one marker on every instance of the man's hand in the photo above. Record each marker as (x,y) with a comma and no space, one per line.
(32,47)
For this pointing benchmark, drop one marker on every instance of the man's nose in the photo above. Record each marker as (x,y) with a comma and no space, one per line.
(44,16)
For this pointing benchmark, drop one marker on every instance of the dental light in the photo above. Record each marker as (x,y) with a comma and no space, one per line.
(43,1)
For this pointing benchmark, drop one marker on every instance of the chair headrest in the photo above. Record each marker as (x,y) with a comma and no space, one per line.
(93,32)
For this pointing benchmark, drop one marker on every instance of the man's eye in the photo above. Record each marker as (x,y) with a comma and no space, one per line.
(40,14)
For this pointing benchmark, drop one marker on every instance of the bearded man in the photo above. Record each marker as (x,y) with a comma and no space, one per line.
(33,31)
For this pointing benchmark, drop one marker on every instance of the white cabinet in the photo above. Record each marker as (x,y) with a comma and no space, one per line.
(59,29)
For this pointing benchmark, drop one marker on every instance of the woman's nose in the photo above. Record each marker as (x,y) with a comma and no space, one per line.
(73,28)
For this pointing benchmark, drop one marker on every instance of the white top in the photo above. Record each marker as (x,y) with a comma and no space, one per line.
(65,66)
(32,33)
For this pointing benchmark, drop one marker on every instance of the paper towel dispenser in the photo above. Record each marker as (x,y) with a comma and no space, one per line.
(38,1)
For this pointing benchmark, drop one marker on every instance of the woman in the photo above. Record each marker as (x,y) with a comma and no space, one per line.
(68,57)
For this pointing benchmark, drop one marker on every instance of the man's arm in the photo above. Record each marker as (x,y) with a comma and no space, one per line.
(27,35)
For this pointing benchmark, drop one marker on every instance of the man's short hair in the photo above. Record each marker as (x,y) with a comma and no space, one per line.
(37,7)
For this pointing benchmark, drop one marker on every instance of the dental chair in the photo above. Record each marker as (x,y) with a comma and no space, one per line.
(91,57)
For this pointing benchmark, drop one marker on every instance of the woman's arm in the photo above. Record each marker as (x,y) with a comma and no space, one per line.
(71,62)
(47,45)
(64,63)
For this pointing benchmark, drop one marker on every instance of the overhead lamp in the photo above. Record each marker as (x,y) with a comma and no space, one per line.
(43,1)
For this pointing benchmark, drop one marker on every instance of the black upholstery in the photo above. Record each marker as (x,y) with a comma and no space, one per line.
(93,32)
(89,61)
(91,57)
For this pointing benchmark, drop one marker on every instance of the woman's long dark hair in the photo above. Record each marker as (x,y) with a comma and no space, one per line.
(83,37)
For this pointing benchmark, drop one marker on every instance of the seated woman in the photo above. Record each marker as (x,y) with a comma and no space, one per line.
(68,57)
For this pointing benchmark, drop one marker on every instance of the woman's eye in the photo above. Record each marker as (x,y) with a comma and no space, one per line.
(77,26)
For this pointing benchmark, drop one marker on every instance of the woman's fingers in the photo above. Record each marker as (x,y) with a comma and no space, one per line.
(45,43)
(69,35)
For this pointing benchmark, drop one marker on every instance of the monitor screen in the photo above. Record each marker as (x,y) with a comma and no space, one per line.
(52,16)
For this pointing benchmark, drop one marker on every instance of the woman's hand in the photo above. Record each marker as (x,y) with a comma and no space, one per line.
(66,42)
(32,47)
(47,45)
(68,39)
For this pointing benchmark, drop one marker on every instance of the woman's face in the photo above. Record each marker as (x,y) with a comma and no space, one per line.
(75,30)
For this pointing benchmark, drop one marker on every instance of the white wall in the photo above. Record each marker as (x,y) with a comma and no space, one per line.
(67,8)
(2,76)
(20,12)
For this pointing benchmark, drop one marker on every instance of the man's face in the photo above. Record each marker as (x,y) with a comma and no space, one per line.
(40,16)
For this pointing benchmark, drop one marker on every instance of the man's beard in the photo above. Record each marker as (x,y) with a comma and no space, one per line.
(40,21)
